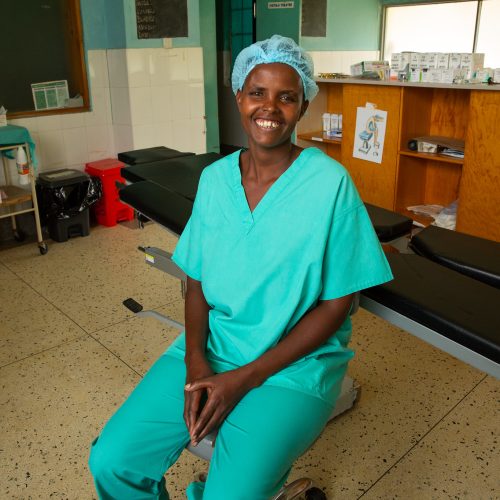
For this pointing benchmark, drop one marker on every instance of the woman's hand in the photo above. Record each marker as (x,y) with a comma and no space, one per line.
(224,392)
(197,369)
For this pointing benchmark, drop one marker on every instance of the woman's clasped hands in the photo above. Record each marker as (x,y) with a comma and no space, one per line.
(222,393)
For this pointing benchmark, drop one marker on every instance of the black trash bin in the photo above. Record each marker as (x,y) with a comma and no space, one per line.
(64,197)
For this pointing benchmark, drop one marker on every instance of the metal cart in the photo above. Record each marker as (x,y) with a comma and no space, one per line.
(14,196)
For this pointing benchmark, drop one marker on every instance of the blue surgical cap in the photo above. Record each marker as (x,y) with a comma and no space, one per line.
(277,49)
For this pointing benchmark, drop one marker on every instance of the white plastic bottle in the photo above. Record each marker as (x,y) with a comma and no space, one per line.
(22,166)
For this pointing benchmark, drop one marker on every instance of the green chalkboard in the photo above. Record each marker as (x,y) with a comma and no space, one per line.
(313,18)
(161,19)
(32,49)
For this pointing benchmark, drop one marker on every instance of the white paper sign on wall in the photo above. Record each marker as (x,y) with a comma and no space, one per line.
(280,5)
(370,134)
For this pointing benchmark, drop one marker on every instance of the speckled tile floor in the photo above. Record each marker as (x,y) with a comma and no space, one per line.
(424,427)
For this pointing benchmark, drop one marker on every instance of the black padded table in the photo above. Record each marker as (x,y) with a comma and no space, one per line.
(453,312)
(469,255)
(180,174)
(148,155)
(388,225)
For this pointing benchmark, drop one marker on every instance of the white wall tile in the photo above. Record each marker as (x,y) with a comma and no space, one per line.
(197,136)
(52,149)
(138,67)
(196,97)
(178,65)
(195,63)
(98,69)
(140,106)
(101,108)
(99,142)
(187,135)
(162,134)
(179,101)
(120,106)
(72,120)
(50,122)
(75,144)
(117,68)
(144,136)
(159,62)
(122,138)
(30,123)
(161,104)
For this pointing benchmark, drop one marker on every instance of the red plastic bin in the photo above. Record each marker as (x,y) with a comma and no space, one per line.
(109,210)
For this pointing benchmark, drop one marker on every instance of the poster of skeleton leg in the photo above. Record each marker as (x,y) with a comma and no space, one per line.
(370,134)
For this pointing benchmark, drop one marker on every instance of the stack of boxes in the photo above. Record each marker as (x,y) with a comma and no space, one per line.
(440,68)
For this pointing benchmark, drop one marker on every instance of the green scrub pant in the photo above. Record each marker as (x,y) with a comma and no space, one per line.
(254,451)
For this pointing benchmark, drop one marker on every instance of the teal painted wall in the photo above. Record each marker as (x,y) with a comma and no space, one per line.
(95,24)
(350,26)
(209,43)
(277,21)
(111,24)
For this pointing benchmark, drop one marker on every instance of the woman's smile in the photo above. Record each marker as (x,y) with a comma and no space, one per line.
(267,124)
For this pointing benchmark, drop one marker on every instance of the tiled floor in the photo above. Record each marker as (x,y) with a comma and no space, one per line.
(424,427)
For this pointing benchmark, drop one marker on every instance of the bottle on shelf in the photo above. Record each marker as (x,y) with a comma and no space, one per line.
(22,166)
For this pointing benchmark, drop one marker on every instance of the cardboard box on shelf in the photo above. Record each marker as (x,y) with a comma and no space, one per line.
(443,61)
(455,60)
(432,75)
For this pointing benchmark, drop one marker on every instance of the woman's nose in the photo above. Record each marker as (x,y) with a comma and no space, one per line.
(270,104)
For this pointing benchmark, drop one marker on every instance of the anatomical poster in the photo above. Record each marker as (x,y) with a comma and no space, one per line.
(370,134)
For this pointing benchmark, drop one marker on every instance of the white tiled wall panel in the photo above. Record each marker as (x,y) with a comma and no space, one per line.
(139,98)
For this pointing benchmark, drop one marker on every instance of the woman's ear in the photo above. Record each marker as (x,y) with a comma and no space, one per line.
(305,105)
(238,98)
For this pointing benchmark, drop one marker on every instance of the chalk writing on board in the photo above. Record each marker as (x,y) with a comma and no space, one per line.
(160,19)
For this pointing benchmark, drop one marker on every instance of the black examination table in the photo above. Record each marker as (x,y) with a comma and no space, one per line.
(448,296)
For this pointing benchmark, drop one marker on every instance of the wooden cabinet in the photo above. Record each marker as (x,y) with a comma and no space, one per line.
(405,177)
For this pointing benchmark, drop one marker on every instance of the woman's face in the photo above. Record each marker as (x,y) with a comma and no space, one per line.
(271,103)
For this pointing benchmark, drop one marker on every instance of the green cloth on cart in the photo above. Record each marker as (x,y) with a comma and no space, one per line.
(14,134)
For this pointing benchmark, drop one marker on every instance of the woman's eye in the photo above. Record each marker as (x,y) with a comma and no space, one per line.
(287,98)
(256,93)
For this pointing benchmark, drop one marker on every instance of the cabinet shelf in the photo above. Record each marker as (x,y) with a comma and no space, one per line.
(319,137)
(14,196)
(432,156)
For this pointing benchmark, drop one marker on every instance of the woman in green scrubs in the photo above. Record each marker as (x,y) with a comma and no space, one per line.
(277,244)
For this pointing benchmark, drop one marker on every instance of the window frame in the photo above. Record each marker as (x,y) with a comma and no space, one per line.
(78,66)
(383,24)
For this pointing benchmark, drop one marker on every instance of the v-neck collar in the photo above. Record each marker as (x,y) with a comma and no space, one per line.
(248,217)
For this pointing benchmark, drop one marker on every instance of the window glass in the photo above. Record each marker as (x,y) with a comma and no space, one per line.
(488,40)
(445,27)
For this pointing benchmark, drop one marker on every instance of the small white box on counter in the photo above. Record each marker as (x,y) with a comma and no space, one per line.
(399,60)
(455,60)
(496,75)
(415,75)
(451,75)
(483,75)
(428,60)
(471,63)
(443,61)
(432,75)
(415,58)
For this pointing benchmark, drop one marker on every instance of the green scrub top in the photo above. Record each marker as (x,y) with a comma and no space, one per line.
(308,239)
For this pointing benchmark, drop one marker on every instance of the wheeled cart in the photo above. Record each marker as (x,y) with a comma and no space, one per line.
(13,196)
